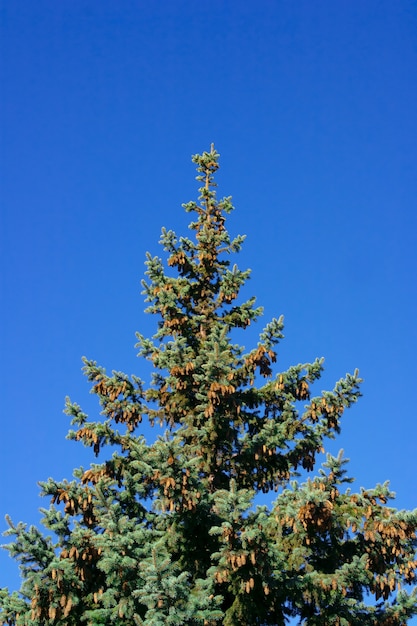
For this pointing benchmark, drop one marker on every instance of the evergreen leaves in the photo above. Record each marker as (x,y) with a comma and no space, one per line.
(168,532)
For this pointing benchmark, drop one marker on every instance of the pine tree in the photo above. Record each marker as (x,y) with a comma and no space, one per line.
(169,532)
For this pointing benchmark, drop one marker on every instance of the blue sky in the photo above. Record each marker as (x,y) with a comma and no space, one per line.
(312,106)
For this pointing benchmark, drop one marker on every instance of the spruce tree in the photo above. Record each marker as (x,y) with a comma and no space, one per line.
(169,532)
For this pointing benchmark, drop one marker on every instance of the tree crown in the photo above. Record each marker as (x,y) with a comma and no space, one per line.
(168,532)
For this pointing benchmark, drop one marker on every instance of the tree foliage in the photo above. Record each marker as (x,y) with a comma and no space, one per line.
(169,532)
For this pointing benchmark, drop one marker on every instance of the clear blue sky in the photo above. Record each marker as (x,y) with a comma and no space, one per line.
(313,107)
